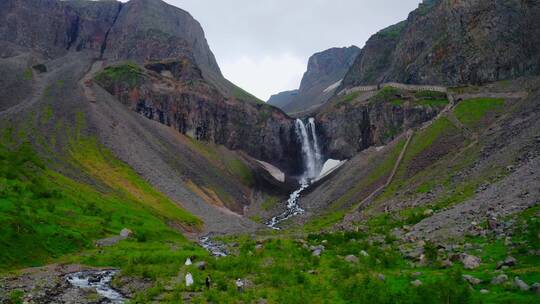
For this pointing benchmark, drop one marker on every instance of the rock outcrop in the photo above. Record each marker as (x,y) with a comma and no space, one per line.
(454,42)
(282,99)
(153,30)
(348,127)
(324,72)
(175,93)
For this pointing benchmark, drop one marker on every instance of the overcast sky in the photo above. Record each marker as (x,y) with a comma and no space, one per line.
(263,45)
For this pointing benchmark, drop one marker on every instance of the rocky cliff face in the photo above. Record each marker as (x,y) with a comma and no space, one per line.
(324,69)
(139,30)
(454,42)
(282,99)
(348,126)
(152,30)
(175,94)
(54,28)
(144,31)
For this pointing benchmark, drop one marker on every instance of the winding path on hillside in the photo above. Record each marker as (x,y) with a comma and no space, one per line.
(390,178)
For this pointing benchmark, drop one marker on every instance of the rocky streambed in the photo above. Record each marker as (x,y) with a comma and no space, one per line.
(68,284)
(215,248)
(100,280)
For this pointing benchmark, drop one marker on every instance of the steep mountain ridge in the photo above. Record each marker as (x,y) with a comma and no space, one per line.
(450,42)
(146,30)
(55,73)
(282,99)
(324,71)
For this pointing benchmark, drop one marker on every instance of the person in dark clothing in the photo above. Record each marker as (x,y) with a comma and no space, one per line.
(208,282)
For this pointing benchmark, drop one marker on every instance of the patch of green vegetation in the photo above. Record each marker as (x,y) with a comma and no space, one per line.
(438,103)
(393,31)
(257,219)
(242,94)
(326,220)
(160,254)
(347,98)
(239,169)
(397,102)
(472,111)
(16,297)
(27,74)
(282,270)
(426,137)
(431,98)
(225,159)
(386,94)
(269,202)
(223,195)
(425,94)
(128,73)
(46,114)
(101,164)
(384,223)
(336,211)
(45,215)
(381,169)
(420,142)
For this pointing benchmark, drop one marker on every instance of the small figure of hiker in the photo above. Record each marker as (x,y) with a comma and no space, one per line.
(239,285)
(208,282)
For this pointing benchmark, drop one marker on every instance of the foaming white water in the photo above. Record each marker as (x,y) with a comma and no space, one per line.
(100,280)
(292,207)
(312,162)
(316,148)
(311,152)
(308,155)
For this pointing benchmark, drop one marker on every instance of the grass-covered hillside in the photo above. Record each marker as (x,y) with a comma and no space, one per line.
(46,214)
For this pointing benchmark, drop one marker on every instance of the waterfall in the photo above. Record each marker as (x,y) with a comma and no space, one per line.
(316,148)
(311,154)
(312,161)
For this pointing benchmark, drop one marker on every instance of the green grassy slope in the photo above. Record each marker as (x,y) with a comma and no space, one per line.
(45,214)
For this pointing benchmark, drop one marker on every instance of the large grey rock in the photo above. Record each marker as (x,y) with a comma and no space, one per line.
(125,233)
(499,279)
(317,250)
(471,280)
(351,258)
(521,284)
(509,261)
(536,287)
(469,261)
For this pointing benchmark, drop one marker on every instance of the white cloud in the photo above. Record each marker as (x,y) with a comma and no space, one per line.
(265,75)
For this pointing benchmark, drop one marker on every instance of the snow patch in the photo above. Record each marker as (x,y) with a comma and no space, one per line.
(273,170)
(329,166)
(333,86)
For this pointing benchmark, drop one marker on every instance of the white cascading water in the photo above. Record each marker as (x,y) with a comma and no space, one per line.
(312,161)
(308,154)
(316,148)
